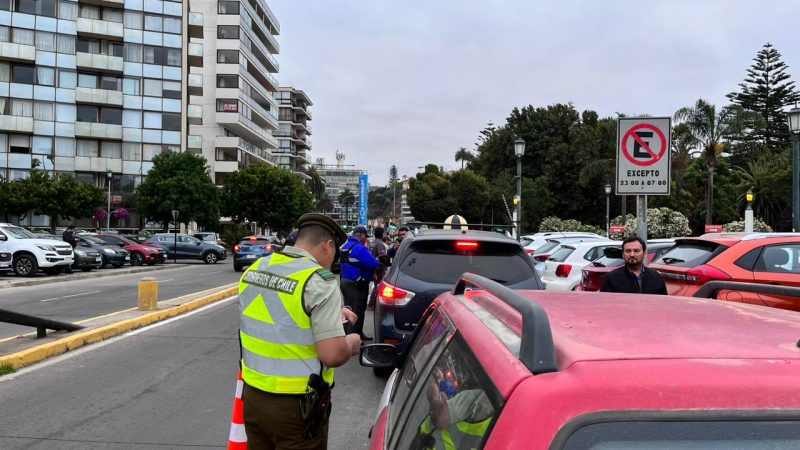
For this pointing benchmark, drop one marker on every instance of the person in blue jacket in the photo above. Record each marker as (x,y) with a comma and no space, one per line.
(358,269)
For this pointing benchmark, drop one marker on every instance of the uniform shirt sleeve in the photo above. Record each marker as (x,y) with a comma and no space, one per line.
(323,302)
(365,258)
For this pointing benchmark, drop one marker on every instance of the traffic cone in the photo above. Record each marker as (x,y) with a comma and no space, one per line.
(237,439)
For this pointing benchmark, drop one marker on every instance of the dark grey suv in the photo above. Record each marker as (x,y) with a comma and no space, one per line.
(188,247)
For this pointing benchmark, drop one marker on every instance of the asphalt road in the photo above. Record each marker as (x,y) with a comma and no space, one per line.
(165,387)
(74,300)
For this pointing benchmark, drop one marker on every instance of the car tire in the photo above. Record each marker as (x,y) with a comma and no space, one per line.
(25,266)
(238,267)
(117,266)
(137,259)
(103,264)
(382,372)
(211,258)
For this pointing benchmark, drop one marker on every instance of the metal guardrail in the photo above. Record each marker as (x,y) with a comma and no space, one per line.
(41,324)
(712,288)
(536,349)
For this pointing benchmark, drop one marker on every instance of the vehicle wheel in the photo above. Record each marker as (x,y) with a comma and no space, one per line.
(137,259)
(211,258)
(382,372)
(25,266)
(104,264)
(237,267)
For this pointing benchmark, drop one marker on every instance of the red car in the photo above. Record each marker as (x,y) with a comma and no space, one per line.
(592,275)
(140,253)
(494,368)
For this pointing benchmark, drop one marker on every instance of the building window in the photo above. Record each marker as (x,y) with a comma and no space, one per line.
(228,56)
(36,7)
(228,31)
(111,150)
(67,10)
(172,25)
(86,45)
(111,83)
(132,86)
(131,151)
(67,79)
(66,44)
(85,147)
(87,80)
(45,76)
(43,111)
(220,177)
(45,41)
(228,7)
(227,81)
(133,53)
(152,120)
(226,154)
(111,116)
(153,23)
(87,113)
(227,105)
(42,145)
(23,74)
(150,151)
(171,121)
(133,20)
(172,89)
(153,88)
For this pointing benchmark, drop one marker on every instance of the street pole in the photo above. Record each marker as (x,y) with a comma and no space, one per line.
(795,183)
(109,174)
(608,212)
(641,216)
(175,213)
(748,212)
(519,196)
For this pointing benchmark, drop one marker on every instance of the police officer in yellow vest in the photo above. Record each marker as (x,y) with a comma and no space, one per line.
(292,337)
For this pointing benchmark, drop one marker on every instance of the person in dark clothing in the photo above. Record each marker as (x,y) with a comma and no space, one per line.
(401,233)
(634,277)
(68,236)
(358,269)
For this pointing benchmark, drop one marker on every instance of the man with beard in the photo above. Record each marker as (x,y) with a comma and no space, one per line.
(634,277)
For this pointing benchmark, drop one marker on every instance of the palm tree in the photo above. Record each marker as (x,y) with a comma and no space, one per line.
(316,183)
(325,203)
(464,155)
(346,198)
(683,152)
(760,176)
(708,129)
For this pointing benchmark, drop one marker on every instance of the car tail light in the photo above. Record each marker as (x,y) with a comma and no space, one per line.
(268,247)
(541,258)
(466,245)
(251,238)
(392,295)
(563,270)
(392,341)
(528,251)
(591,281)
(235,249)
(703,274)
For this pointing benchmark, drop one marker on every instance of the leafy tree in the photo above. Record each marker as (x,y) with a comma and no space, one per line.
(325,203)
(315,183)
(770,178)
(393,179)
(179,181)
(60,197)
(269,196)
(464,155)
(766,90)
(429,196)
(708,128)
(470,193)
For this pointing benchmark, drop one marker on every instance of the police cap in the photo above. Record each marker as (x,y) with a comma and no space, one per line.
(339,236)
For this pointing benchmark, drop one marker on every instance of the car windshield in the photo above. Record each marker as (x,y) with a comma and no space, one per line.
(442,262)
(19,233)
(607,261)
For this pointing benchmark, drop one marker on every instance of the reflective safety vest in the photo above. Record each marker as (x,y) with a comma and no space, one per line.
(278,351)
(454,437)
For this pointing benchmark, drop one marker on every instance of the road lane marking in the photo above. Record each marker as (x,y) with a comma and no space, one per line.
(70,296)
(209,273)
(164,281)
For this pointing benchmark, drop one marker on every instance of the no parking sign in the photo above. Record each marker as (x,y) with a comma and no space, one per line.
(643,156)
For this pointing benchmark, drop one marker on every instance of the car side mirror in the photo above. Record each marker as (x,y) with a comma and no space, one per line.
(3,237)
(198,243)
(378,355)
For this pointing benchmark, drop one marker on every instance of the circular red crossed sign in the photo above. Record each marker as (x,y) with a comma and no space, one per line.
(654,157)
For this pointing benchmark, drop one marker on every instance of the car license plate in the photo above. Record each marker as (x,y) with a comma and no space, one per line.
(251,256)
(98,259)
(127,258)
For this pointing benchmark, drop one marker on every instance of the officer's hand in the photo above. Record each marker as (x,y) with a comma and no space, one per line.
(349,315)
(354,341)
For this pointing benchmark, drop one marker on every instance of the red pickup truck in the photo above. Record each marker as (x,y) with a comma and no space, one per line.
(494,368)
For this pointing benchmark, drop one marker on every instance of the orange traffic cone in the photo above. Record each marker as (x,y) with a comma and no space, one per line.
(237,439)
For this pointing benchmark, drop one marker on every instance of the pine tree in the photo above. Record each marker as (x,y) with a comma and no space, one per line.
(766,91)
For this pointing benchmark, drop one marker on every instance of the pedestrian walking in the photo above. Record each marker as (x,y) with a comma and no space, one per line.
(634,277)
(358,269)
(291,339)
(68,236)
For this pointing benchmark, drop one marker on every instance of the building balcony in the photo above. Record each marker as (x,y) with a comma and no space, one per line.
(194,114)
(194,142)
(195,54)
(98,130)
(10,51)
(98,96)
(16,124)
(265,29)
(264,115)
(241,144)
(246,128)
(99,63)
(301,175)
(195,25)
(99,29)
(112,3)
(195,84)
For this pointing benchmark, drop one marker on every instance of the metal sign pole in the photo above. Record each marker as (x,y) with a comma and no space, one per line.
(641,216)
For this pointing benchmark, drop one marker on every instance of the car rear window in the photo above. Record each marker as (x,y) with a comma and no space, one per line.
(441,262)
(547,247)
(561,254)
(255,242)
(691,254)
(607,261)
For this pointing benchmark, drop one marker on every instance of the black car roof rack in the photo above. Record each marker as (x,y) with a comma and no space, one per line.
(712,288)
(536,349)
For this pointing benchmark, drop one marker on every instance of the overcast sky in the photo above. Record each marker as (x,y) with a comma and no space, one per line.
(409,82)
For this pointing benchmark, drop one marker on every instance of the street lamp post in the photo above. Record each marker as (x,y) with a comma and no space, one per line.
(519,150)
(794,127)
(748,212)
(608,209)
(109,174)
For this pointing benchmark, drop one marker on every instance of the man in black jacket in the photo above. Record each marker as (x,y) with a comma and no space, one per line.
(634,277)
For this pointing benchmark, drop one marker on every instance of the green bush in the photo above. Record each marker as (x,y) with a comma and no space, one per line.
(738,226)
(553,223)
(233,236)
(661,223)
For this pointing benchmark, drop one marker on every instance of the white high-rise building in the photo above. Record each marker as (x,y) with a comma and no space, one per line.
(294,131)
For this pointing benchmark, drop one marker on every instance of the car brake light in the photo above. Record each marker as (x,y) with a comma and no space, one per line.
(235,249)
(528,251)
(466,245)
(251,238)
(541,258)
(268,247)
(563,270)
(391,295)
(703,274)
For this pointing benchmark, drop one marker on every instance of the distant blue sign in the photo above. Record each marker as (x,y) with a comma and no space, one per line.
(363,197)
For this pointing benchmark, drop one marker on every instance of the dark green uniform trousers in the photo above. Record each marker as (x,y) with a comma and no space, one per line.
(273,422)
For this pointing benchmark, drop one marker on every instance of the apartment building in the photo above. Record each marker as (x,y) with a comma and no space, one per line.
(341,177)
(294,131)
(232,111)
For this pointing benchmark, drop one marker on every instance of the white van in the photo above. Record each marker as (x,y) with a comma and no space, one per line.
(30,253)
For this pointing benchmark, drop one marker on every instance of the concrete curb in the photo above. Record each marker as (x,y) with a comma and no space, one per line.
(35,354)
(87,275)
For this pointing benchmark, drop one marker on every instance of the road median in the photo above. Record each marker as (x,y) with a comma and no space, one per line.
(28,350)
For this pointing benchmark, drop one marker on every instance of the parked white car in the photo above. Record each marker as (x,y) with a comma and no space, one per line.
(562,271)
(533,242)
(544,252)
(30,253)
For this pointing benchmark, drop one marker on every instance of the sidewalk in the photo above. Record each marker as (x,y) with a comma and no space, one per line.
(15,281)
(24,350)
